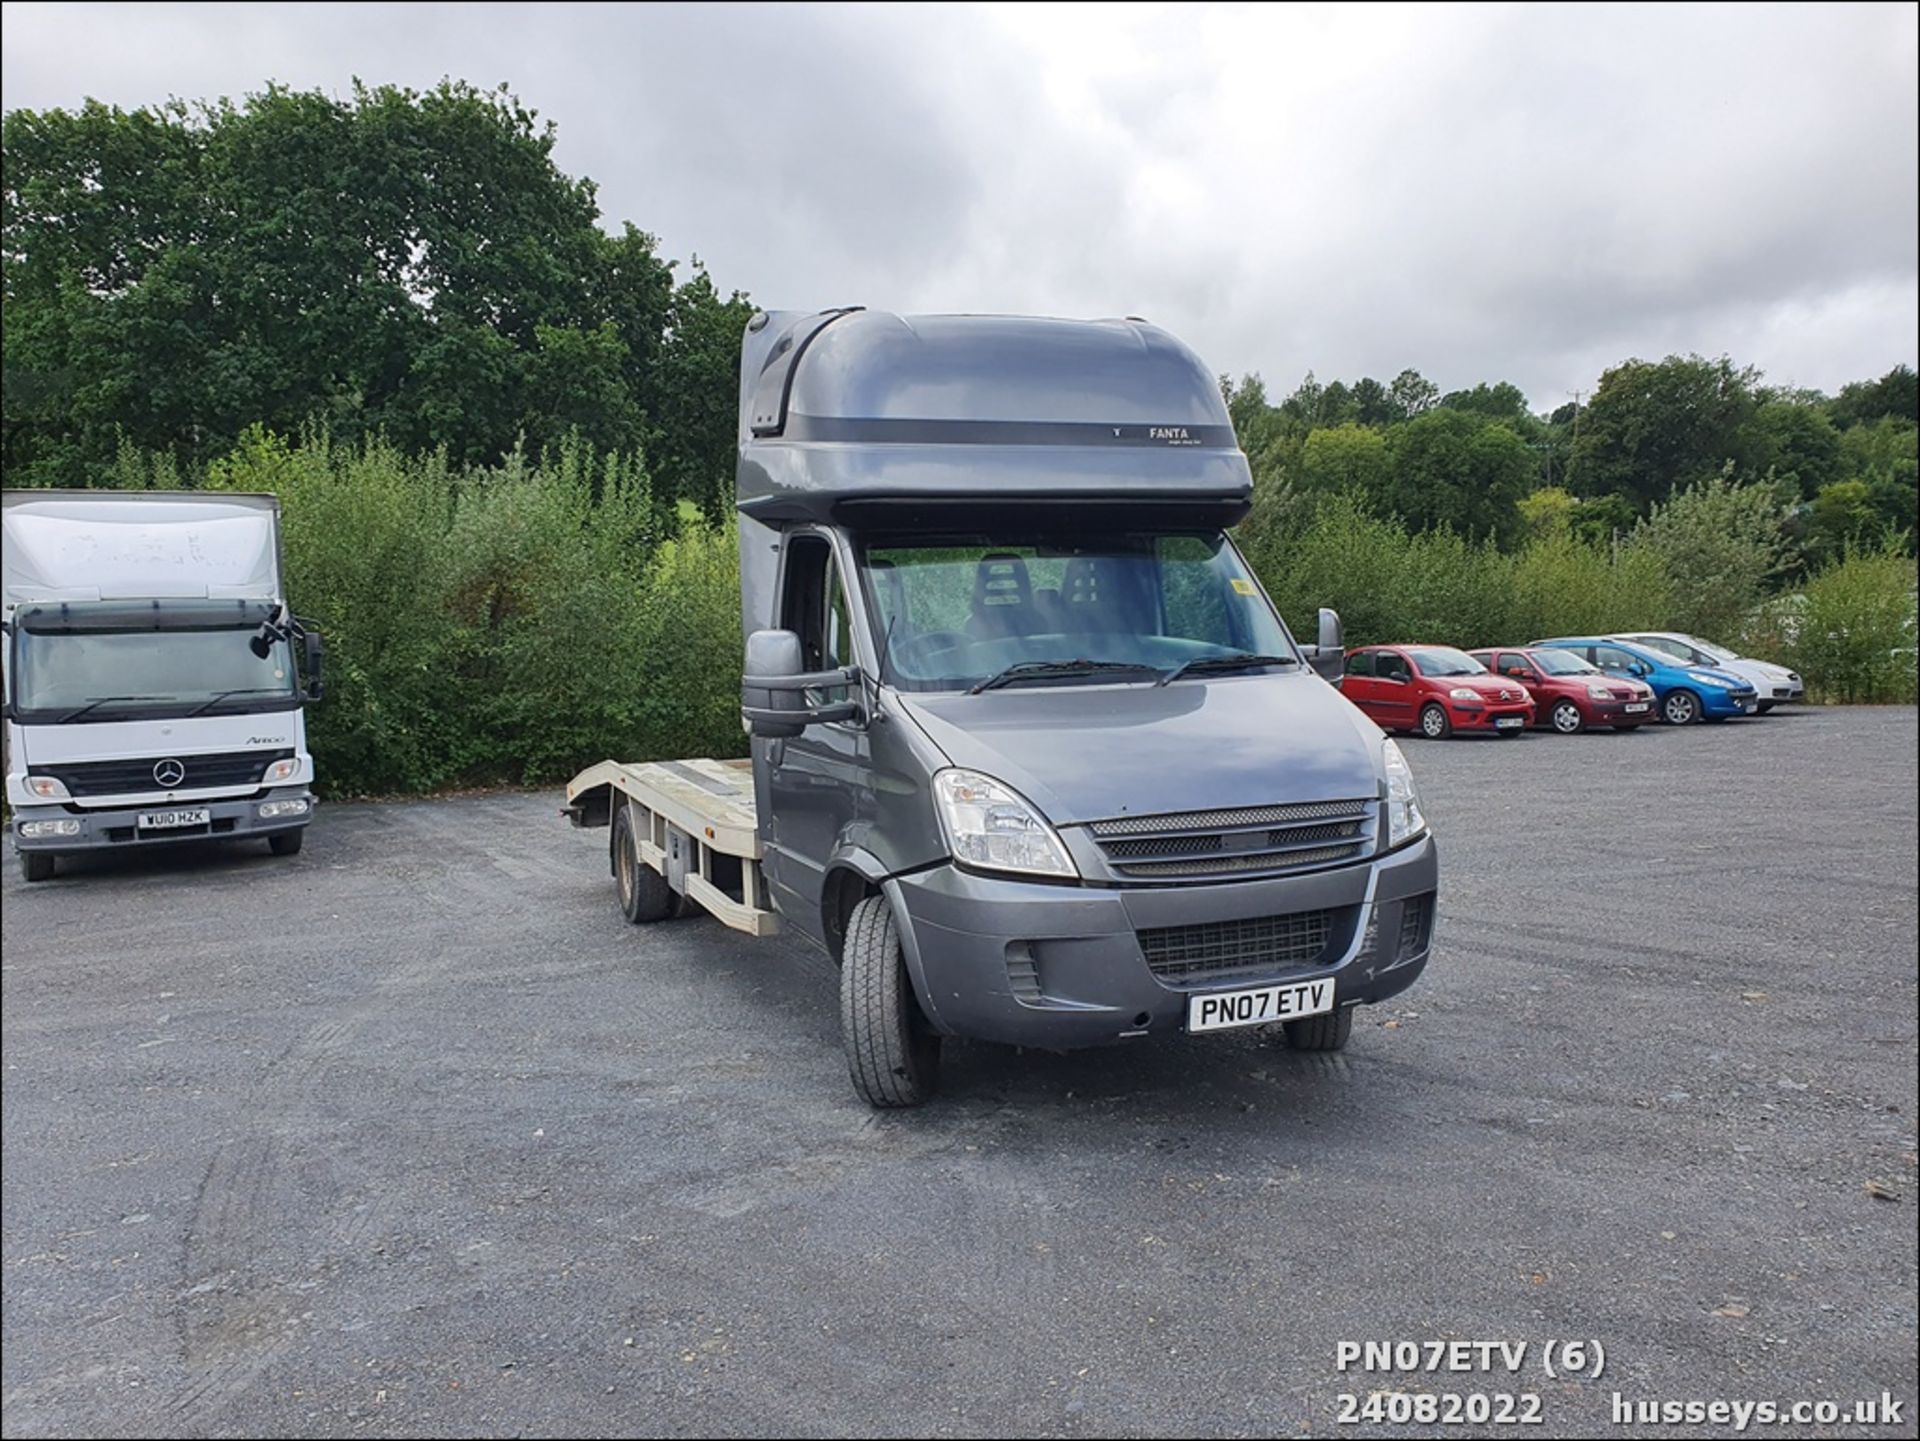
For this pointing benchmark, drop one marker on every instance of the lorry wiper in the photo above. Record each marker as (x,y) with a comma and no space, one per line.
(1037,669)
(1243,661)
(211,701)
(101,700)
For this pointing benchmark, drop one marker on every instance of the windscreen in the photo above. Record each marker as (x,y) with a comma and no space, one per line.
(1561,662)
(109,675)
(1441,660)
(954,612)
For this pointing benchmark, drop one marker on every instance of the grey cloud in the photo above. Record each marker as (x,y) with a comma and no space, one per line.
(1526,194)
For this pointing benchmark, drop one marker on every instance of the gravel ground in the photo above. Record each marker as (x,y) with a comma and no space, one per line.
(412,1135)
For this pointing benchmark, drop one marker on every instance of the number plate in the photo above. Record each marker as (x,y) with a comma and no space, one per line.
(1261,1006)
(1508,722)
(1749,706)
(173,820)
(1633,707)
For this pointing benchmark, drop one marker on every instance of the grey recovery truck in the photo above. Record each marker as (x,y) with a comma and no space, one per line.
(1033,755)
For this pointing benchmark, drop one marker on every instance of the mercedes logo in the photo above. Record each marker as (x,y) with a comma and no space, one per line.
(169,773)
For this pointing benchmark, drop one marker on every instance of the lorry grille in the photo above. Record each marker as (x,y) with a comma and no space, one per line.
(1184,956)
(1245,841)
(219,771)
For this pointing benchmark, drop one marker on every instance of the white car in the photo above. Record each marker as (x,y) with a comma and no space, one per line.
(1773,684)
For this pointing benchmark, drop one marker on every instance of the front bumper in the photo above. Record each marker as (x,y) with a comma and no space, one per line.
(1484,718)
(1061,966)
(1727,702)
(119,829)
(1615,712)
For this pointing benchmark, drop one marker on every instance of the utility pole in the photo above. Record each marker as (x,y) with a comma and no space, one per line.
(1573,444)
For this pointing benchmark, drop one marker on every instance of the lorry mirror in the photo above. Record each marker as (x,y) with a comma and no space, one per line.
(774,690)
(1327,655)
(315,656)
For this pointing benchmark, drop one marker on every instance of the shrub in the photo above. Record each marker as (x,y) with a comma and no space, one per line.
(1853,631)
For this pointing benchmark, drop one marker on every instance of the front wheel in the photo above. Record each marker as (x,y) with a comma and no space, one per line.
(36,866)
(893,1055)
(287,843)
(1434,724)
(1327,1032)
(1681,707)
(1566,718)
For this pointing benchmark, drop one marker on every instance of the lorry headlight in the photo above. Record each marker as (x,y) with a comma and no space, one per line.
(269,810)
(282,770)
(33,830)
(47,788)
(1404,818)
(992,826)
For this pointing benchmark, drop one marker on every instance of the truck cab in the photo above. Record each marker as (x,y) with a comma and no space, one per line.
(1033,755)
(154,677)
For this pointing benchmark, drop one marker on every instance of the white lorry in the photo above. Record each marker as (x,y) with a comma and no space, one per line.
(154,676)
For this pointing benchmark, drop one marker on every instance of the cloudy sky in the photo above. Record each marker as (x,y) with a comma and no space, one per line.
(1482,193)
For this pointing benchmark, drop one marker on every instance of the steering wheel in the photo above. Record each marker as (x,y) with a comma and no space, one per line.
(928,644)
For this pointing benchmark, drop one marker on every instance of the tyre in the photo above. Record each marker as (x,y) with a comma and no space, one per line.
(1680,708)
(1327,1032)
(1434,724)
(287,843)
(1566,718)
(893,1055)
(643,892)
(36,865)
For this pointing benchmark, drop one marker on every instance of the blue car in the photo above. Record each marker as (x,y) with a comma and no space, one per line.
(1685,693)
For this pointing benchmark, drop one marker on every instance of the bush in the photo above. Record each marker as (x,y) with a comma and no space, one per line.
(1719,544)
(1852,634)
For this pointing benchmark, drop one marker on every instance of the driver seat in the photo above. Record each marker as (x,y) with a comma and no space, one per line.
(1002,598)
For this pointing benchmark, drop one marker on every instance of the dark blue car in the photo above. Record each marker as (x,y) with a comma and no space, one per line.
(1685,693)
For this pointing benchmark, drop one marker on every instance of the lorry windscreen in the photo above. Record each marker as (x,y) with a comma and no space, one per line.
(99,675)
(955,611)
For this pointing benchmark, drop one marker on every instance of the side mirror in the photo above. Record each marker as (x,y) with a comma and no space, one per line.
(773,688)
(1328,655)
(315,655)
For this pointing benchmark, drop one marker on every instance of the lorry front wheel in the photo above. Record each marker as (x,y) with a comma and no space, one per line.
(1326,1032)
(36,865)
(893,1055)
(644,892)
(287,843)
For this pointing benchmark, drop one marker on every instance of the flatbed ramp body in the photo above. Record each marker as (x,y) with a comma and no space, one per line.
(693,822)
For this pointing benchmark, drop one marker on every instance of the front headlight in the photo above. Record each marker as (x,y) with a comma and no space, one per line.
(47,788)
(1712,680)
(284,769)
(1404,819)
(1461,692)
(1599,692)
(992,826)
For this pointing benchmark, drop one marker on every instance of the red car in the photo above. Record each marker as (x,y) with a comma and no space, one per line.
(1433,689)
(1570,694)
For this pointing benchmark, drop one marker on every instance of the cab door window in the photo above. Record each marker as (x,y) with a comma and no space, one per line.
(813,604)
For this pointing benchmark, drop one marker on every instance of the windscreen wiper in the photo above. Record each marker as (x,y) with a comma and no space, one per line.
(1245,660)
(1041,669)
(211,701)
(101,700)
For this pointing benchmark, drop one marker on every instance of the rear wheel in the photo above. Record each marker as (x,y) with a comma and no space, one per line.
(1681,707)
(1327,1032)
(1566,718)
(36,865)
(1434,724)
(893,1055)
(644,892)
(287,843)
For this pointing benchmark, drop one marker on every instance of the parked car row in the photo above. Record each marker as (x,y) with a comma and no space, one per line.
(1566,684)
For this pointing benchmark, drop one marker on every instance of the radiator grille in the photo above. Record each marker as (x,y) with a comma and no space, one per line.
(1238,842)
(1215,950)
(219,770)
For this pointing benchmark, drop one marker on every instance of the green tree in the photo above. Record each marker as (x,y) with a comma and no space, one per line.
(1719,544)
(1651,428)
(1795,444)
(1346,458)
(1456,470)
(1411,395)
(693,437)
(1895,395)
(1502,401)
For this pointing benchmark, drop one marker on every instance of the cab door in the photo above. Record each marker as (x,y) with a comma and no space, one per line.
(820,781)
